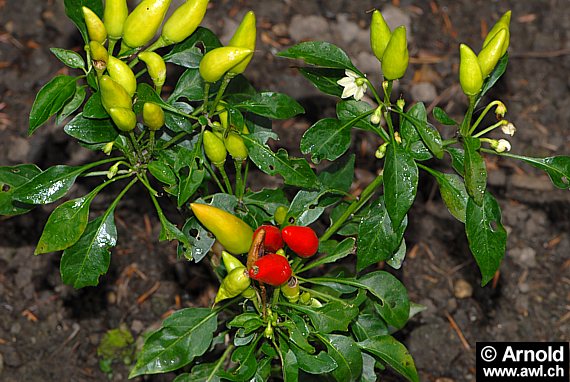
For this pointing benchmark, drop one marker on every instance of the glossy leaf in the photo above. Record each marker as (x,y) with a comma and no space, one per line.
(145,93)
(295,171)
(184,335)
(69,58)
(475,170)
(319,53)
(320,363)
(368,325)
(204,372)
(400,182)
(162,172)
(411,139)
(368,373)
(169,231)
(87,259)
(377,239)
(496,74)
(190,183)
(74,12)
(267,199)
(417,115)
(339,175)
(486,235)
(94,108)
(340,251)
(324,79)
(441,116)
(392,352)
(453,193)
(74,103)
(245,357)
(189,58)
(290,367)
(352,110)
(51,98)
(457,159)
(327,139)
(557,168)
(48,186)
(200,241)
(306,207)
(12,177)
(347,355)
(398,258)
(190,86)
(202,36)
(272,105)
(331,317)
(91,130)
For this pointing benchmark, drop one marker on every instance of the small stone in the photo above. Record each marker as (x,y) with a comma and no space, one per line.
(137,326)
(280,29)
(16,328)
(18,149)
(11,357)
(310,27)
(112,298)
(346,29)
(462,289)
(444,380)
(525,257)
(423,92)
(395,17)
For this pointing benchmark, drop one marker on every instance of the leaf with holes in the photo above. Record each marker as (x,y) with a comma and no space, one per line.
(199,239)
(486,235)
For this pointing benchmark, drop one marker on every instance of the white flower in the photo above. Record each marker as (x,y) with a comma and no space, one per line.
(509,129)
(353,85)
(501,145)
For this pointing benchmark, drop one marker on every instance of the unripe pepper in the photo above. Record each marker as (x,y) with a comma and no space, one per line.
(143,22)
(273,240)
(153,116)
(491,53)
(470,75)
(379,34)
(233,284)
(113,94)
(302,240)
(244,37)
(271,269)
(99,56)
(232,232)
(280,214)
(155,66)
(184,21)
(121,73)
(219,61)
(124,118)
(95,27)
(249,293)
(231,262)
(114,16)
(235,146)
(396,57)
(214,148)
(504,22)
(291,289)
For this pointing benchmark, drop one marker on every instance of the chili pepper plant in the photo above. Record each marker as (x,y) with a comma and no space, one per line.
(292,302)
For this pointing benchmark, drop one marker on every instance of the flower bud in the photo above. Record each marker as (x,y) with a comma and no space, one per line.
(376,116)
(381,150)
(501,145)
(108,148)
(508,128)
(500,110)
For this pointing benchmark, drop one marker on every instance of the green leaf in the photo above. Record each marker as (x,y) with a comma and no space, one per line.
(298,332)
(69,58)
(65,225)
(91,130)
(204,372)
(48,186)
(74,12)
(94,108)
(453,193)
(391,351)
(339,175)
(162,171)
(398,258)
(368,325)
(184,335)
(355,112)
(267,199)
(189,184)
(457,159)
(295,171)
(190,85)
(417,115)
(73,104)
(347,355)
(499,70)
(400,182)
(327,139)
(189,58)
(377,239)
(486,235)
(331,317)
(557,168)
(475,170)
(368,373)
(245,356)
(306,208)
(248,321)
(319,53)
(87,259)
(290,367)
(51,98)
(207,39)
(320,363)
(394,306)
(146,93)
(200,241)
(12,177)
(411,139)
(324,79)
(272,105)
(441,116)
(169,231)
(340,251)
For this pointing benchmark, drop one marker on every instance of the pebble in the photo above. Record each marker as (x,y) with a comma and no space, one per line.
(137,326)
(12,358)
(312,27)
(525,257)
(462,289)
(18,150)
(16,328)
(533,183)
(395,17)
(423,92)
(346,29)
(444,380)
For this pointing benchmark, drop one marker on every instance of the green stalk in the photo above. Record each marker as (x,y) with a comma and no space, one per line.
(215,177)
(226,179)
(373,90)
(354,207)
(225,82)
(465,125)
(488,129)
(239,180)
(483,114)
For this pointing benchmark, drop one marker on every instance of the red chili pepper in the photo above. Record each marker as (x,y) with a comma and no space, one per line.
(273,240)
(302,240)
(271,269)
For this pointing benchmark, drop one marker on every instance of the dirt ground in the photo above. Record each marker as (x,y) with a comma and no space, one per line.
(50,332)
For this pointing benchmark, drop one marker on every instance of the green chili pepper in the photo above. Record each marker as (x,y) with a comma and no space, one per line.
(99,56)
(233,284)
(280,214)
(214,148)
(143,22)
(219,61)
(113,94)
(379,34)
(395,58)
(121,73)
(244,37)
(503,23)
(470,75)
(95,27)
(491,53)
(153,116)
(230,261)
(124,118)
(183,21)
(156,68)
(235,146)
(291,289)
(114,16)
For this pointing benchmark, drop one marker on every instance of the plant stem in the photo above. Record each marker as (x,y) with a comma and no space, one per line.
(483,114)
(136,144)
(354,207)
(488,129)
(465,125)
(225,82)
(373,90)
(144,180)
(226,179)
(239,180)
(151,141)
(214,176)
(206,94)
